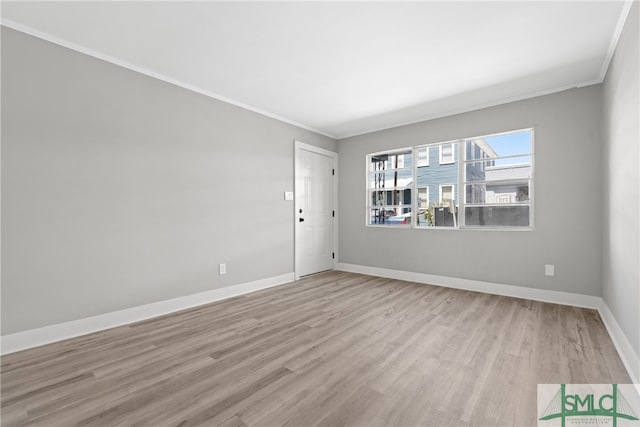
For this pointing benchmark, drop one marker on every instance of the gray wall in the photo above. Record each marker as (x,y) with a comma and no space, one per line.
(621,285)
(120,190)
(567,192)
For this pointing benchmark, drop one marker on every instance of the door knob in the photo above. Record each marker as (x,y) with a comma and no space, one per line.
(301,219)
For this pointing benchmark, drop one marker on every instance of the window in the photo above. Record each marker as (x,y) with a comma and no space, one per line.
(423,156)
(494,175)
(497,179)
(423,197)
(446,193)
(438,181)
(422,205)
(390,180)
(447,153)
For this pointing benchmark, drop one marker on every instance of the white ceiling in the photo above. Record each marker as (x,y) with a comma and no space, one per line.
(343,68)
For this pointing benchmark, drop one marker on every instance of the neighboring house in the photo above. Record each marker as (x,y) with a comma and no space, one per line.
(437,175)
(510,189)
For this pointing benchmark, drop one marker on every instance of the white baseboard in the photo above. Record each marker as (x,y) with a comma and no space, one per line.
(61,331)
(557,297)
(628,356)
(58,332)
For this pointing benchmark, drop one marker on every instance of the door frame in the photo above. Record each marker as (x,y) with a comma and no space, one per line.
(298,145)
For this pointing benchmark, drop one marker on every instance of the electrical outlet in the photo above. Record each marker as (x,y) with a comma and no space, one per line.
(549,270)
(223,269)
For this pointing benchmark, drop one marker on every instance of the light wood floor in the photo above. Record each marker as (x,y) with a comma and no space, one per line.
(334,349)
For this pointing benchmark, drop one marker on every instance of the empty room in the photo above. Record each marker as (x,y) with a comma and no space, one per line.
(316,213)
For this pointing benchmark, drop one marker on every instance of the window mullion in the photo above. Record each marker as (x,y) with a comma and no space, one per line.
(461,187)
(414,189)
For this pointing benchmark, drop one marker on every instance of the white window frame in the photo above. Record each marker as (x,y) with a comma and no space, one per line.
(415,207)
(417,192)
(426,148)
(453,192)
(453,153)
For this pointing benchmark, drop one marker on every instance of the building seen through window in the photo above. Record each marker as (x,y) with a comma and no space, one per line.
(475,182)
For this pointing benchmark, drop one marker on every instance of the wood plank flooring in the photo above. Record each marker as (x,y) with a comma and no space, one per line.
(330,350)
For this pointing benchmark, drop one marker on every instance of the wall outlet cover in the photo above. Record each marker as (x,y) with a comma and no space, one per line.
(549,270)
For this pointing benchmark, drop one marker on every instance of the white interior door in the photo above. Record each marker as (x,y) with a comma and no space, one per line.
(315,211)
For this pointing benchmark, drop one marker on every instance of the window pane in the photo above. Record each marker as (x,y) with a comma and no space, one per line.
(386,161)
(390,186)
(442,216)
(446,193)
(498,169)
(423,197)
(378,162)
(507,216)
(447,153)
(423,156)
(513,192)
(391,215)
(383,198)
(391,179)
(510,144)
(497,174)
(437,175)
(436,216)
(423,206)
